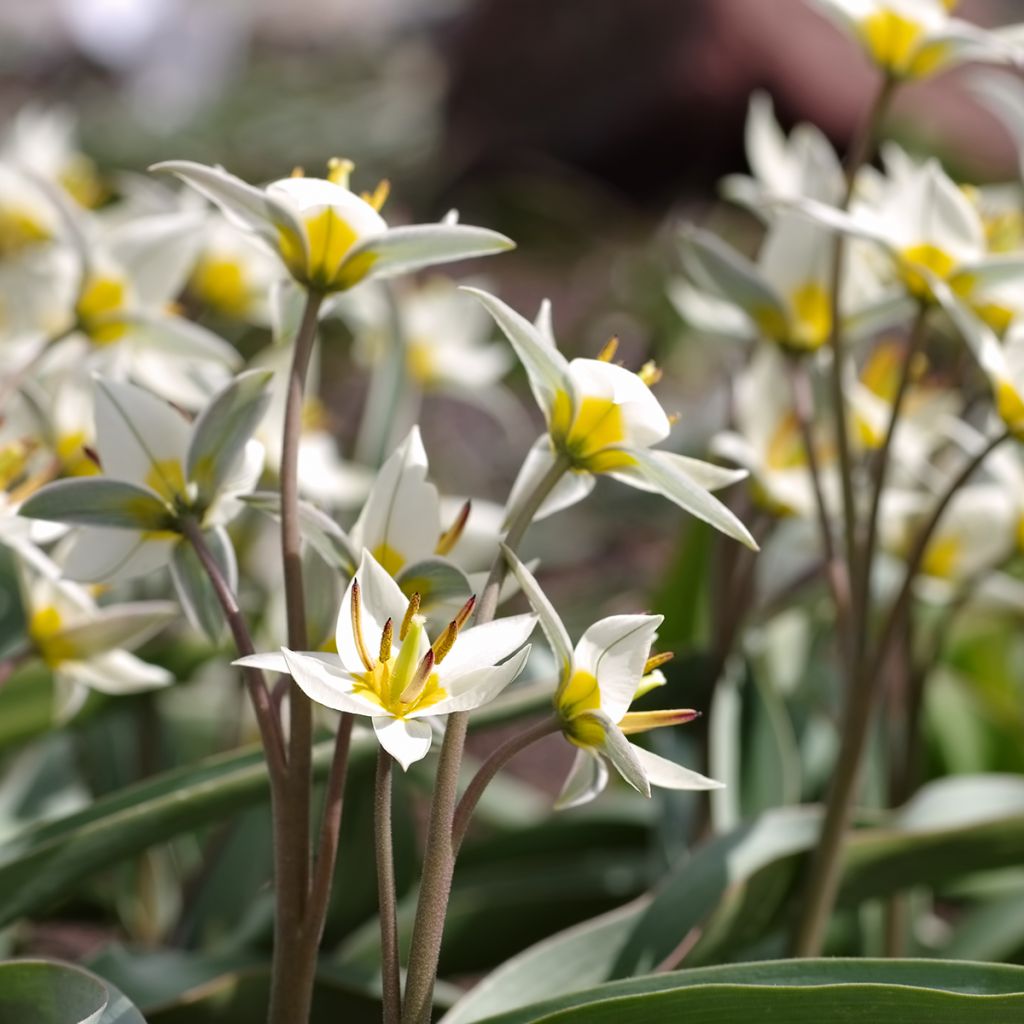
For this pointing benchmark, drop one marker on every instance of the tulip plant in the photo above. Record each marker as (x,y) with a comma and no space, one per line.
(866,494)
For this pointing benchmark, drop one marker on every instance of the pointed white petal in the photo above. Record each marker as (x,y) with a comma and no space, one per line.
(122,625)
(380,599)
(473,689)
(329,685)
(554,630)
(587,778)
(118,672)
(614,651)
(669,775)
(406,740)
(620,752)
(102,555)
(705,474)
(157,253)
(480,646)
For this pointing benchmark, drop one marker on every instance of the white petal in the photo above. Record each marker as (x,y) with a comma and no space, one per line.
(137,432)
(474,689)
(106,555)
(329,685)
(406,740)
(157,253)
(401,520)
(118,672)
(621,753)
(554,630)
(380,599)
(124,625)
(614,651)
(480,646)
(676,485)
(587,778)
(273,661)
(705,474)
(669,775)
(643,418)
(545,366)
(572,488)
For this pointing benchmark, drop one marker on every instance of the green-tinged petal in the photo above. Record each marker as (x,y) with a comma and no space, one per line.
(587,779)
(192,584)
(472,690)
(101,554)
(734,277)
(669,775)
(404,249)
(318,528)
(676,485)
(96,501)
(437,581)
(120,625)
(554,630)
(616,748)
(546,367)
(220,433)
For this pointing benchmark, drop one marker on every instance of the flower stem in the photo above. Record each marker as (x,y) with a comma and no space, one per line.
(440,852)
(386,897)
(494,763)
(291,989)
(823,879)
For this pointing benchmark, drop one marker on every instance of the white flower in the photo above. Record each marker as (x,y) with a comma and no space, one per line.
(603,419)
(388,670)
(84,644)
(328,237)
(913,38)
(598,680)
(157,468)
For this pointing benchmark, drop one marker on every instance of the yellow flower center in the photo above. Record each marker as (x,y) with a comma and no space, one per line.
(785,448)
(941,557)
(18,231)
(81,181)
(166,477)
(219,281)
(1010,406)
(391,561)
(812,312)
(44,628)
(379,683)
(102,299)
(329,238)
(589,434)
(578,695)
(899,45)
(919,260)
(419,361)
(73,457)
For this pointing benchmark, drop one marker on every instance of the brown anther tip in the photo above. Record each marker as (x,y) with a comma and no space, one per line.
(298,172)
(92,455)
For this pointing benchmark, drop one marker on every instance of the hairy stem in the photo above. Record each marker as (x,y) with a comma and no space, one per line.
(494,763)
(440,852)
(386,897)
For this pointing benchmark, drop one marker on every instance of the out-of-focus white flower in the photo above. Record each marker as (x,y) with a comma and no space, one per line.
(328,237)
(604,419)
(388,670)
(597,682)
(85,645)
(914,38)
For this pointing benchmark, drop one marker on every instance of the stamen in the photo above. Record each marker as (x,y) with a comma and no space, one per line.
(338,170)
(298,172)
(465,611)
(673,418)
(444,643)
(419,681)
(643,721)
(385,641)
(607,354)
(650,373)
(657,660)
(410,613)
(357,629)
(379,196)
(451,536)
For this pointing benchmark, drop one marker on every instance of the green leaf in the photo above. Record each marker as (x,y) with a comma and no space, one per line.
(47,992)
(796,992)
(193,586)
(222,430)
(96,501)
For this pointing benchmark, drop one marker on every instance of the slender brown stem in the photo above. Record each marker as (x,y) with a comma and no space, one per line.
(294,964)
(823,879)
(917,335)
(386,896)
(440,851)
(256,684)
(494,763)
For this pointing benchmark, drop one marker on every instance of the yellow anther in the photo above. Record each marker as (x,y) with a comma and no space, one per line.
(607,354)
(451,536)
(298,172)
(445,642)
(379,196)
(410,613)
(465,611)
(339,170)
(673,418)
(643,721)
(418,682)
(657,660)
(385,641)
(357,629)
(650,373)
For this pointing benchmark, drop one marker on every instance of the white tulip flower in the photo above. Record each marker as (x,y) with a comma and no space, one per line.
(388,670)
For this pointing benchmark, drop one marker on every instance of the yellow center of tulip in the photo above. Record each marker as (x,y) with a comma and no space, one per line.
(18,231)
(44,628)
(167,478)
(589,434)
(220,283)
(1010,406)
(898,45)
(918,261)
(812,314)
(73,457)
(941,557)
(98,309)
